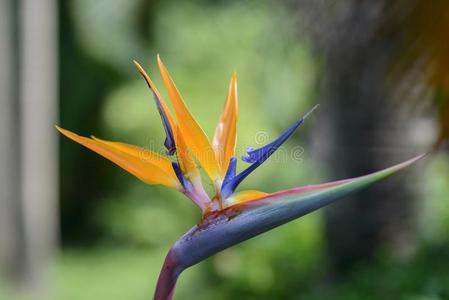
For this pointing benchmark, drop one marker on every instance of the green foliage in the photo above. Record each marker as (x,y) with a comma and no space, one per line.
(268,272)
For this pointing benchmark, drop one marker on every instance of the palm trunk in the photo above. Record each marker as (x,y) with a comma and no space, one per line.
(364,128)
(28,160)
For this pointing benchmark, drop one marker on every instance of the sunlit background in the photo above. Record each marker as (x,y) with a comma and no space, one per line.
(73,226)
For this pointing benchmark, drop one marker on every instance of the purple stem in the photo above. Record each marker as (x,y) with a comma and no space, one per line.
(167,278)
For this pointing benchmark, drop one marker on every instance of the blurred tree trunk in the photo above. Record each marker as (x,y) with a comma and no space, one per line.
(363,127)
(11,223)
(29,150)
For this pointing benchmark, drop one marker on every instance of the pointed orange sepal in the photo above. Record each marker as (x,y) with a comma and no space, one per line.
(185,159)
(225,136)
(194,136)
(146,165)
(244,196)
(151,85)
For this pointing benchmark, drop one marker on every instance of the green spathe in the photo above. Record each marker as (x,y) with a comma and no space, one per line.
(240,222)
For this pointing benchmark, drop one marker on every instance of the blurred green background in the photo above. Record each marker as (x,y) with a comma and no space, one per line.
(115,231)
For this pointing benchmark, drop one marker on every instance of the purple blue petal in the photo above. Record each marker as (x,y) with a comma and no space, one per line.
(256,157)
(182,179)
(169,142)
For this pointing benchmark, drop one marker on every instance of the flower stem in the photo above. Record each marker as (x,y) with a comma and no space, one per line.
(167,278)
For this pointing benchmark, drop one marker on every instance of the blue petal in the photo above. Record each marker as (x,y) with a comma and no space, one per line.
(182,179)
(228,181)
(261,154)
(256,157)
(169,140)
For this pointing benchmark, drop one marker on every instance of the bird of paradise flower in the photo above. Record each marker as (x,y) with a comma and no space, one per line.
(228,217)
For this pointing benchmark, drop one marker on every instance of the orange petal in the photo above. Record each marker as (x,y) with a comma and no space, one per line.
(194,136)
(185,159)
(153,87)
(226,131)
(244,196)
(146,165)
